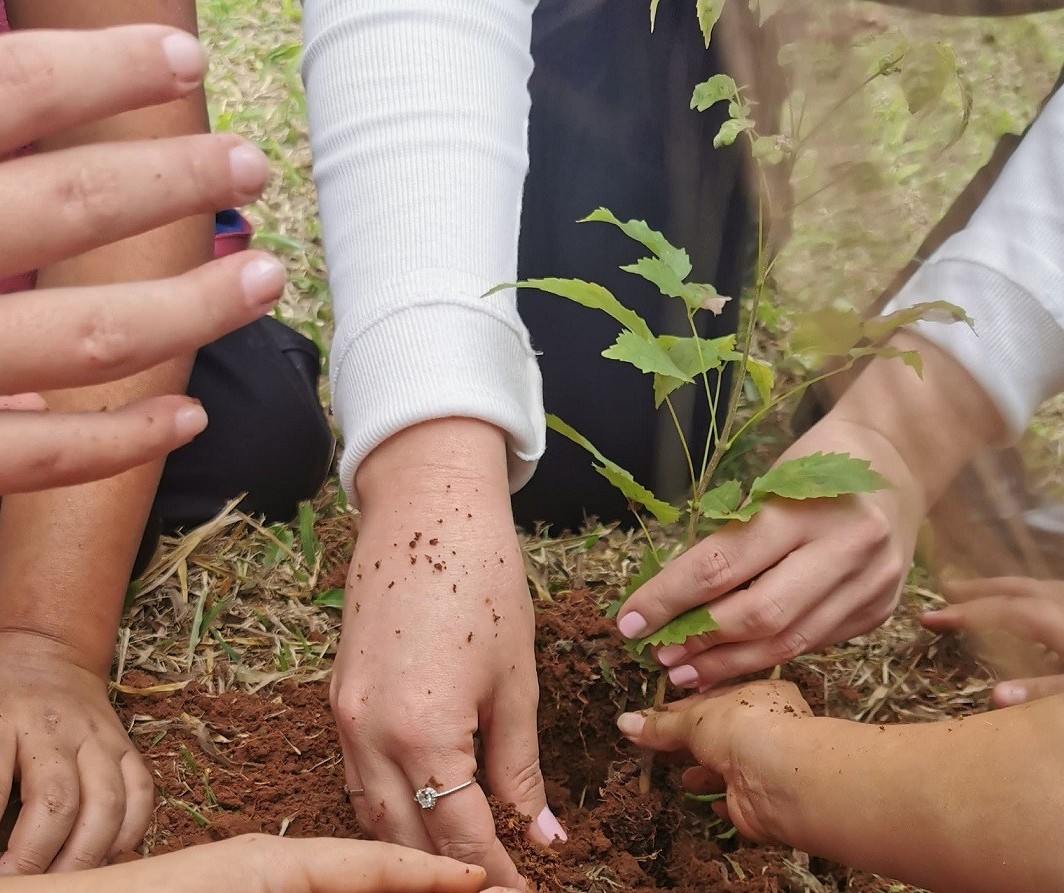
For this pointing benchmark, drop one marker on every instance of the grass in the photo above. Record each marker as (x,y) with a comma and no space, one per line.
(239,605)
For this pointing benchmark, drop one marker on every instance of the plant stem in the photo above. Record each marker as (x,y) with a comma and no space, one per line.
(683,442)
(646,766)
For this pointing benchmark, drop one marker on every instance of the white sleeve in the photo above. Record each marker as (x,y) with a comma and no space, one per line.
(1006,269)
(419,116)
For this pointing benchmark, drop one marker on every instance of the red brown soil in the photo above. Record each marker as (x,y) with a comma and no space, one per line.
(235,763)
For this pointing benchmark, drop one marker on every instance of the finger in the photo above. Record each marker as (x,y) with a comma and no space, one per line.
(719,564)
(140,802)
(45,450)
(1020,691)
(50,802)
(665,730)
(23,403)
(51,81)
(1034,619)
(343,866)
(8,752)
(100,815)
(969,590)
(386,809)
(67,202)
(73,337)
(461,825)
(511,754)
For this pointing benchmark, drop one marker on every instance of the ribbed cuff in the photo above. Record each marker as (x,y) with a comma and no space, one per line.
(447,356)
(1015,353)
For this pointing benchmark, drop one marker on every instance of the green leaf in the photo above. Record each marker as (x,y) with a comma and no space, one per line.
(766,9)
(684,352)
(660,274)
(828,332)
(718,88)
(731,130)
(769,150)
(646,356)
(910,358)
(819,476)
(649,567)
(619,477)
(928,70)
(708,15)
(308,539)
(705,798)
(696,622)
(586,294)
(879,328)
(330,598)
(763,376)
(653,13)
(721,503)
(676,259)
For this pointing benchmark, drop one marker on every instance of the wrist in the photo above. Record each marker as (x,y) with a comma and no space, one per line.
(40,650)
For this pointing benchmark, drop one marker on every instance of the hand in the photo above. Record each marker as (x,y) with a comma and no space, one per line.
(1030,610)
(64,203)
(437,647)
(800,576)
(86,794)
(730,733)
(263,864)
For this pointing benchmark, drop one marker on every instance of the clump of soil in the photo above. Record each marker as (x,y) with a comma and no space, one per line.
(235,763)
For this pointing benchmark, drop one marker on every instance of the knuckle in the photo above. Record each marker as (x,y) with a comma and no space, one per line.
(85,859)
(104,342)
(349,706)
(27,74)
(712,569)
(90,197)
(61,800)
(766,617)
(527,783)
(788,646)
(464,848)
(31,863)
(873,530)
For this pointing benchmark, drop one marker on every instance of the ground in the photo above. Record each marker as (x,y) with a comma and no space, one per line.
(224,652)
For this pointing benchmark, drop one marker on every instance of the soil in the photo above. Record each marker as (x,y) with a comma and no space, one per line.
(270,762)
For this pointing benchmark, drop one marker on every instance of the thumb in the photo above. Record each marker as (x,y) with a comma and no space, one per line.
(664,730)
(1020,691)
(511,751)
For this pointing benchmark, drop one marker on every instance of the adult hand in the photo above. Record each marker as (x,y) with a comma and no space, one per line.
(64,203)
(437,647)
(730,733)
(260,862)
(798,577)
(86,794)
(1025,609)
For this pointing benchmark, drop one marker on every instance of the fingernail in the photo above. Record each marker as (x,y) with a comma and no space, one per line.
(671,654)
(262,280)
(1010,693)
(187,58)
(633,625)
(249,168)
(549,826)
(631,724)
(190,421)
(685,675)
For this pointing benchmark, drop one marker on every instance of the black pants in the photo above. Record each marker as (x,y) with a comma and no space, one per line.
(611,125)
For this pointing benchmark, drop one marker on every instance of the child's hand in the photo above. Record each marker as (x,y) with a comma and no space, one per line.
(730,734)
(1030,610)
(64,203)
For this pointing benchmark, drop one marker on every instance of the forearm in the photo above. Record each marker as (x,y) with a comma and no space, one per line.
(67,554)
(936,421)
(977,7)
(968,806)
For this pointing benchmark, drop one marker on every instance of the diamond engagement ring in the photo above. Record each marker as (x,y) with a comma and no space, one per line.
(426,797)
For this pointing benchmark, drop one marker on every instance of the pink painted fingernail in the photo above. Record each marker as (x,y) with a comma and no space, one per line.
(190,421)
(633,625)
(187,58)
(685,675)
(671,654)
(249,169)
(631,724)
(262,280)
(549,827)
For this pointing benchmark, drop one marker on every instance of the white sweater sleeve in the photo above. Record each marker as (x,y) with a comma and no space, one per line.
(1006,269)
(419,116)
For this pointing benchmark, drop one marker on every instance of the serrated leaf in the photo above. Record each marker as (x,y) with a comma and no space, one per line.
(649,567)
(676,259)
(720,503)
(659,274)
(703,296)
(708,15)
(647,356)
(696,622)
(880,328)
(819,476)
(731,130)
(719,88)
(828,332)
(684,352)
(586,294)
(763,376)
(619,477)
(769,150)
(910,358)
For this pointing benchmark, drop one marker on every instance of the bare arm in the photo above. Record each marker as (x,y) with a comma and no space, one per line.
(977,7)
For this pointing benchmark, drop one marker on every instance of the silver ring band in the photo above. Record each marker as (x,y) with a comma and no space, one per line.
(426,797)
